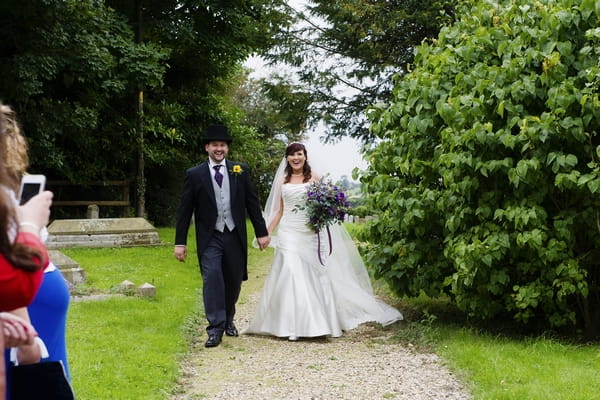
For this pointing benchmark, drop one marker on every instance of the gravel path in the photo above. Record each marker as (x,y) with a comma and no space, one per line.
(363,364)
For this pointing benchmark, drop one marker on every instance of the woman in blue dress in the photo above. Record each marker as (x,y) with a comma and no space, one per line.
(48,314)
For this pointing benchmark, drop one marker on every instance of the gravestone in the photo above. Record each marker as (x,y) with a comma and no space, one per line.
(147,290)
(93,212)
(69,268)
(101,232)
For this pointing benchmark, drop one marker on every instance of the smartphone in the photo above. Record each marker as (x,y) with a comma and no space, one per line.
(30,186)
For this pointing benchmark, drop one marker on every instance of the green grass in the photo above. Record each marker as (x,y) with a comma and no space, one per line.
(526,368)
(505,365)
(129,348)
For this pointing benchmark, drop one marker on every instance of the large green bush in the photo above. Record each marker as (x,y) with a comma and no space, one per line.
(486,180)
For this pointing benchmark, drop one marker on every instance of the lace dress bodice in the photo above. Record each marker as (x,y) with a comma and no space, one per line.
(293,218)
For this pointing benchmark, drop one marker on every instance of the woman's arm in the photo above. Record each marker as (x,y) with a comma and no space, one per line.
(276,218)
(2,367)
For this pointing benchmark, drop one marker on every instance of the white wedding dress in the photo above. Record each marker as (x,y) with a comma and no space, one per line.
(301,297)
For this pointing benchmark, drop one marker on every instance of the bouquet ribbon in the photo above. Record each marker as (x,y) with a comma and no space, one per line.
(319,245)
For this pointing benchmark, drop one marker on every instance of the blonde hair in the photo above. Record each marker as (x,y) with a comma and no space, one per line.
(14,147)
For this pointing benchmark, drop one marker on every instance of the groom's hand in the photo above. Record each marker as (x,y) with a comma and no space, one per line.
(263,242)
(180,253)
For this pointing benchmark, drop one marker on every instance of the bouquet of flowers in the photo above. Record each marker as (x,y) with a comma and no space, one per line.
(326,204)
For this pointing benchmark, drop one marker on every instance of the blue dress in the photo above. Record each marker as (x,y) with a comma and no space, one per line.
(48,314)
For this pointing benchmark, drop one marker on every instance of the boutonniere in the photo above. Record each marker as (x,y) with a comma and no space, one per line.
(236,170)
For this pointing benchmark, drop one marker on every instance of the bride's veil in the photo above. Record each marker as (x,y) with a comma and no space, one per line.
(273,204)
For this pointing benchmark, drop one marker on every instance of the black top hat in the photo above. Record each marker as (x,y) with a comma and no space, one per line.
(218,133)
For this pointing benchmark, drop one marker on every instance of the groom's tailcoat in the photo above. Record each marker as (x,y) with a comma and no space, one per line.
(198,199)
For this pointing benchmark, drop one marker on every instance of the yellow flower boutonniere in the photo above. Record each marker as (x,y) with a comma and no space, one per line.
(236,170)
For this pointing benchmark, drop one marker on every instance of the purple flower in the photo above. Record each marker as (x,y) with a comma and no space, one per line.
(325,204)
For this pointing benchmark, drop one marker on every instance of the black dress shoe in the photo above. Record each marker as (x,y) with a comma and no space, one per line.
(213,341)
(231,330)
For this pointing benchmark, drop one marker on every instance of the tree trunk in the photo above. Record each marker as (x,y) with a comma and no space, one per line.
(141,179)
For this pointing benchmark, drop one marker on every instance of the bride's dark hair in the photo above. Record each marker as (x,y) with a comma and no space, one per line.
(306,170)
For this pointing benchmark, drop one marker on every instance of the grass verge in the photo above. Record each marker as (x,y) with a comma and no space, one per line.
(540,368)
(129,347)
(501,366)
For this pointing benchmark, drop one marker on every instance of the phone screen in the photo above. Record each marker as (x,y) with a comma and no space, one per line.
(29,190)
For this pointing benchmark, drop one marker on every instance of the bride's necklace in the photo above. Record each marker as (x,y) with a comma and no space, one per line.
(297,174)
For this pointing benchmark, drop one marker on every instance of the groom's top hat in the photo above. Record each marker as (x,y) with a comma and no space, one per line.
(218,133)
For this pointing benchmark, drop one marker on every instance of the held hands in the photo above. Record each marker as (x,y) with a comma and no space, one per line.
(35,214)
(263,242)
(21,336)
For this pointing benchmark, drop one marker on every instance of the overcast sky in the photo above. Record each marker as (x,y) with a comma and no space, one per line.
(338,159)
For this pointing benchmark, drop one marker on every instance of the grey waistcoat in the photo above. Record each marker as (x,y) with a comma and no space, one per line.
(222,196)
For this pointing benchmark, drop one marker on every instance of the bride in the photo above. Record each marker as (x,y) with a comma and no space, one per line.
(302,297)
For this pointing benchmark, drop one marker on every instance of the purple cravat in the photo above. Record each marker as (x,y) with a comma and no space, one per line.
(218,175)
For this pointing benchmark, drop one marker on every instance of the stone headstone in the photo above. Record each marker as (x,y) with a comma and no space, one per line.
(75,276)
(93,212)
(101,232)
(69,268)
(147,290)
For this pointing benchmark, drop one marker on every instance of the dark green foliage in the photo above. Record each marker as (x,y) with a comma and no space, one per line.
(74,69)
(486,182)
(277,117)
(68,68)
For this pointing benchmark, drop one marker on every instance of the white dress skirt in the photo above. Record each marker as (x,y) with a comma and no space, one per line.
(303,298)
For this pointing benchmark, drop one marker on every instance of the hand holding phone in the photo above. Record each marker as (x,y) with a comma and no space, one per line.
(30,186)
(35,202)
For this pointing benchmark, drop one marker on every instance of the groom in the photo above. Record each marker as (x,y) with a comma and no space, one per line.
(219,193)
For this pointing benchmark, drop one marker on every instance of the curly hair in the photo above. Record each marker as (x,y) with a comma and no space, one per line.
(13,164)
(14,147)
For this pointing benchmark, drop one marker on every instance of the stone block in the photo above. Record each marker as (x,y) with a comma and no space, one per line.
(93,212)
(69,268)
(61,260)
(147,290)
(126,286)
(101,232)
(75,276)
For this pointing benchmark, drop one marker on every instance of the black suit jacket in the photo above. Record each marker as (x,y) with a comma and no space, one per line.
(198,199)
